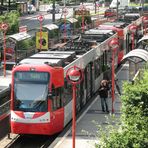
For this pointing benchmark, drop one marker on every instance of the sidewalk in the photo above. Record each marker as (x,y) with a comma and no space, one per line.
(5,81)
(86,129)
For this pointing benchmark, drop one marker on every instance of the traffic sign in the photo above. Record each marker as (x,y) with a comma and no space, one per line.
(65,11)
(4,26)
(40,18)
(82,7)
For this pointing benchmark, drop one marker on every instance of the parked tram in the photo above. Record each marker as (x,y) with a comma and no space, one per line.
(42,97)
(124,34)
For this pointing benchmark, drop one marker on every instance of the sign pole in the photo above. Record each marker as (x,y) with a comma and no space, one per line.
(4,27)
(65,13)
(82,9)
(74,75)
(113,44)
(40,19)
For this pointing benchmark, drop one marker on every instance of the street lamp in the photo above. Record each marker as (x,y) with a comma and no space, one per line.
(82,8)
(133,29)
(98,5)
(65,12)
(74,75)
(40,19)
(145,22)
(4,27)
(113,44)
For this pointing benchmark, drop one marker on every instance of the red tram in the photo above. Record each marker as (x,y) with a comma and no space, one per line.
(41,96)
(124,35)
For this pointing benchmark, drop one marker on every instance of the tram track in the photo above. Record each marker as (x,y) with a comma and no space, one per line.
(31,141)
(39,141)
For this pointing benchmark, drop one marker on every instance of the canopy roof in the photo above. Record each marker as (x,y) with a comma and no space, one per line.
(136,56)
(145,37)
(20,36)
(72,20)
(51,26)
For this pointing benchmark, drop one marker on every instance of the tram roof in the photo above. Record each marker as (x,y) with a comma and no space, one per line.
(41,61)
(97,31)
(50,56)
(57,52)
(69,53)
(132,14)
(115,24)
(51,26)
(136,56)
(20,36)
(108,27)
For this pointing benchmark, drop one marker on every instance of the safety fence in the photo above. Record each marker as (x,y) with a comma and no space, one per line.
(4,110)
(4,102)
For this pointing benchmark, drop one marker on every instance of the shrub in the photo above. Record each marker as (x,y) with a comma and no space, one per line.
(133,132)
(12,19)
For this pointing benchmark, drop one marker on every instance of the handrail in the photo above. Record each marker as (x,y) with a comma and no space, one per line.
(5,108)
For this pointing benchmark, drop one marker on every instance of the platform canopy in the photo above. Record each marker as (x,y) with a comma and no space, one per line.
(136,56)
(51,26)
(20,36)
(144,38)
(72,20)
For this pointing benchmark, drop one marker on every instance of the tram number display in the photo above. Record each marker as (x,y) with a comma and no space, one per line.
(32,76)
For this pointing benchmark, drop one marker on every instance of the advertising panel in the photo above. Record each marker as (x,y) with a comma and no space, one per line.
(42,40)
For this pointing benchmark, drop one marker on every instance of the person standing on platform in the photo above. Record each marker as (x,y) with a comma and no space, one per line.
(103,92)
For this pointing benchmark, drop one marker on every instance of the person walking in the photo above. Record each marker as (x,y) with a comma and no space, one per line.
(103,92)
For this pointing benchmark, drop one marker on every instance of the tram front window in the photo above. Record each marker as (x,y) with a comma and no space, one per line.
(30,94)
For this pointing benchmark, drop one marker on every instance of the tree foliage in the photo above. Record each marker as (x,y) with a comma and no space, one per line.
(12,19)
(133,132)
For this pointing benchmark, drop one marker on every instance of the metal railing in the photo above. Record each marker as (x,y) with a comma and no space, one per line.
(5,108)
(4,101)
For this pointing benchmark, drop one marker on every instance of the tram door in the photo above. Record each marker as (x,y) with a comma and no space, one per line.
(82,99)
(93,77)
(89,82)
(128,43)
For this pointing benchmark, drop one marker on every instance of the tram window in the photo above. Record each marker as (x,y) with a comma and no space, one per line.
(67,94)
(120,45)
(57,98)
(85,77)
(105,60)
(97,65)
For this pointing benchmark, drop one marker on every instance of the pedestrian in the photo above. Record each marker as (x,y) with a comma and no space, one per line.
(103,92)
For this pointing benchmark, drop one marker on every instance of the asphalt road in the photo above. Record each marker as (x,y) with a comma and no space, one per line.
(32,22)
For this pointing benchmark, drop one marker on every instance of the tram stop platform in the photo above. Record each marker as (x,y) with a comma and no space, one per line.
(5,80)
(86,127)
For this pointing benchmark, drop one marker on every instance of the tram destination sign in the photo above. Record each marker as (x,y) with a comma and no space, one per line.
(32,76)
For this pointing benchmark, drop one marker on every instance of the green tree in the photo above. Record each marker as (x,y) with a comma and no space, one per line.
(12,19)
(133,131)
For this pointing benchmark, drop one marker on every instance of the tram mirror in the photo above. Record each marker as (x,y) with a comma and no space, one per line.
(50,96)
